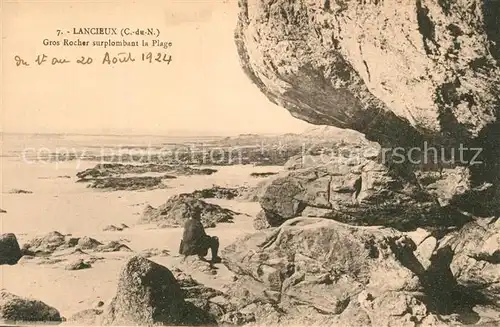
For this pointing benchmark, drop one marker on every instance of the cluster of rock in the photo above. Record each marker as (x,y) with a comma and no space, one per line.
(118,169)
(151,294)
(73,253)
(178,208)
(307,271)
(339,273)
(117,176)
(255,193)
(129,183)
(363,191)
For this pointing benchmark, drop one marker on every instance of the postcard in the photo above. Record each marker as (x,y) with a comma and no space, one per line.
(250,163)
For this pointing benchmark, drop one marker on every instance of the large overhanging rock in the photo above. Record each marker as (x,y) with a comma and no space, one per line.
(391,69)
(401,72)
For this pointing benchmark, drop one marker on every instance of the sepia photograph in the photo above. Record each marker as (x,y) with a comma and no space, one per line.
(250,163)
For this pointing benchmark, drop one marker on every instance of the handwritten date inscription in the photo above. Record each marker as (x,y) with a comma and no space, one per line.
(106,59)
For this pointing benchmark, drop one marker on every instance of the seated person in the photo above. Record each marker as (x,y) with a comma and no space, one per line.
(196,241)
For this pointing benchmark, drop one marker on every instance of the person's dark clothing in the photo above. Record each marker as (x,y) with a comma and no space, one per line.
(196,241)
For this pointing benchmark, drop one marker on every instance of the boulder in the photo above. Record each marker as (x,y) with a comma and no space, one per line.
(476,260)
(2,210)
(149,294)
(55,247)
(87,243)
(180,207)
(17,309)
(48,243)
(340,274)
(323,263)
(10,252)
(128,183)
(326,63)
(362,191)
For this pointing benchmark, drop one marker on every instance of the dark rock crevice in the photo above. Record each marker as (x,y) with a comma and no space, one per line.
(426,28)
(491,13)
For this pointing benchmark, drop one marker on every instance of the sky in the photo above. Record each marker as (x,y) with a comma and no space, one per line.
(202,90)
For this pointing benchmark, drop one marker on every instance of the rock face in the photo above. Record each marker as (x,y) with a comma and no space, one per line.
(322,265)
(476,263)
(327,62)
(10,252)
(149,294)
(362,191)
(16,309)
(180,207)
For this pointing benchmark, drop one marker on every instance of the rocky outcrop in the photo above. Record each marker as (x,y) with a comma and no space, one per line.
(149,294)
(72,253)
(49,243)
(327,62)
(10,252)
(128,183)
(107,170)
(216,192)
(476,260)
(361,191)
(17,309)
(180,207)
(322,265)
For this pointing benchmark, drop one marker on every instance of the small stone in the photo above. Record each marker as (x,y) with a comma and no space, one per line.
(78,264)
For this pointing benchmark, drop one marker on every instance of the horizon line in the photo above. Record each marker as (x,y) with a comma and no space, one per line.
(202,134)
